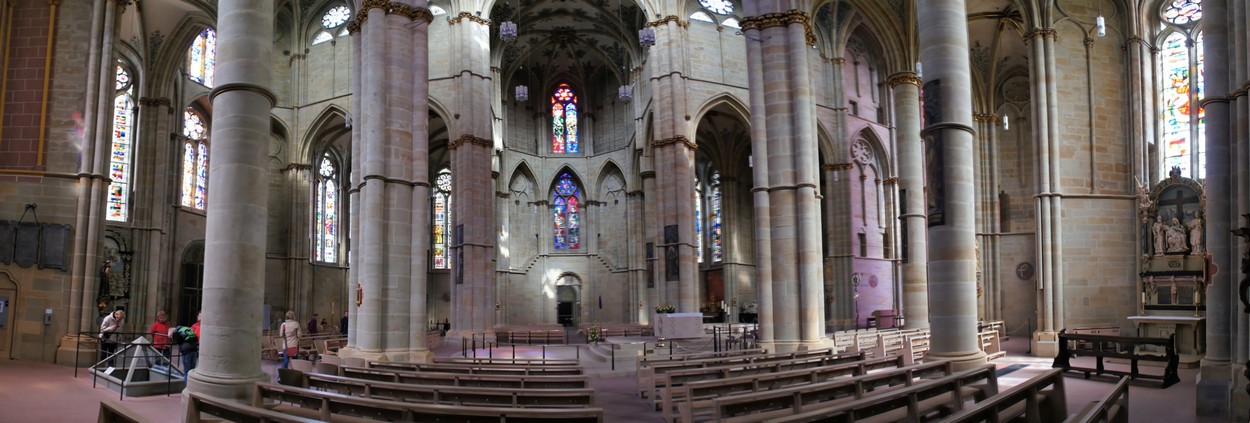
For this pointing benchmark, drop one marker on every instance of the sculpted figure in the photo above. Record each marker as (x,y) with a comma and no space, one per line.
(1175,234)
(1157,235)
(1195,233)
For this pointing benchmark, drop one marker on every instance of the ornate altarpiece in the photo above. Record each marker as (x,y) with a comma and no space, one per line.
(1174,264)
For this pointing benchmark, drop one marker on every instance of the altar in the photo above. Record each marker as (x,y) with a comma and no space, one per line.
(1190,334)
(679,325)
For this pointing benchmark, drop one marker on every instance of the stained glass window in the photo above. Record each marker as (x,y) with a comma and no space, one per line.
(326,211)
(1183,12)
(698,219)
(714,219)
(194,160)
(441,232)
(722,7)
(564,120)
(123,147)
(567,214)
(1183,118)
(201,57)
(335,17)
(322,37)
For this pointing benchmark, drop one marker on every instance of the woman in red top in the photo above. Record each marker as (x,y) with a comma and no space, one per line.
(160,333)
(196,326)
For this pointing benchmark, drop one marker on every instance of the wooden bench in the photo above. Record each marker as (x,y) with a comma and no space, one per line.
(696,398)
(993,325)
(460,379)
(667,382)
(991,344)
(1123,347)
(476,369)
(530,334)
(332,407)
(648,377)
(913,346)
(914,403)
(453,395)
(1111,408)
(528,362)
(199,404)
(115,412)
(1040,399)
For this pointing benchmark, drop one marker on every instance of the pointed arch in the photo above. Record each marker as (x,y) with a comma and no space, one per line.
(610,168)
(567,198)
(522,183)
(330,125)
(724,100)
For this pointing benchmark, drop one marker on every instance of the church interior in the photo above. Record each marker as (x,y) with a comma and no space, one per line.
(422,174)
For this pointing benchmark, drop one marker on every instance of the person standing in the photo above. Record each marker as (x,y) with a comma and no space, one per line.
(160,334)
(108,327)
(343,324)
(196,327)
(312,325)
(188,345)
(289,331)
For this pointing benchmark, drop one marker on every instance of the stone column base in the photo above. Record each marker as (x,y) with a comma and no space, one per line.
(87,349)
(1215,386)
(961,361)
(1044,344)
(1239,404)
(240,389)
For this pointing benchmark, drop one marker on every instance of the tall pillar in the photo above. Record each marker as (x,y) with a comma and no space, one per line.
(1238,41)
(1215,378)
(234,247)
(673,154)
(1047,200)
(952,243)
(473,184)
(906,89)
(778,49)
(391,183)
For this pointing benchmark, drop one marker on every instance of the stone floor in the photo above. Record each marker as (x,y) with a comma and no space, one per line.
(38,392)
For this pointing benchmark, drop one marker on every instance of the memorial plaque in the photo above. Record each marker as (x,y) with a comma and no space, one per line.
(26,246)
(52,248)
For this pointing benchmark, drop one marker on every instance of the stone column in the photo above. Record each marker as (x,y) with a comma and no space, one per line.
(778,48)
(952,243)
(1215,378)
(839,266)
(473,185)
(1238,41)
(234,248)
(421,218)
(906,89)
(673,154)
(1045,342)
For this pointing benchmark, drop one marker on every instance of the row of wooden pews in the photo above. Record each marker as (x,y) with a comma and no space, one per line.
(653,376)
(531,334)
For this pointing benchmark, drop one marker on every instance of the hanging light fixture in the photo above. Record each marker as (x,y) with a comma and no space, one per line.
(1006,123)
(646,37)
(625,93)
(1100,24)
(522,93)
(919,71)
(507,31)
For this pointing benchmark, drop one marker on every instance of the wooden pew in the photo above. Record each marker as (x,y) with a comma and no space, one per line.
(1040,399)
(667,382)
(459,379)
(913,403)
(1123,347)
(649,379)
(530,334)
(453,395)
(332,407)
(528,362)
(476,369)
(115,412)
(912,345)
(199,404)
(696,398)
(1111,408)
(991,344)
(993,325)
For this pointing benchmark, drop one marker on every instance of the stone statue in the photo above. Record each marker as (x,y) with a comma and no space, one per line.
(1195,233)
(1157,235)
(1175,236)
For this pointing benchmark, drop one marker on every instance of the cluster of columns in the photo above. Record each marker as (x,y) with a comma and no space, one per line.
(906,89)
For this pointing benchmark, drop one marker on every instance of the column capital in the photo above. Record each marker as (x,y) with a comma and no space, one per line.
(947,125)
(903,78)
(670,18)
(838,166)
(674,140)
(157,102)
(985,118)
(1041,33)
(890,181)
(769,20)
(470,139)
(647,174)
(244,86)
(391,8)
(471,17)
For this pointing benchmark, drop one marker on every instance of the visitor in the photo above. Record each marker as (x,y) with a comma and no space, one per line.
(196,327)
(343,324)
(290,339)
(160,334)
(312,325)
(108,328)
(188,345)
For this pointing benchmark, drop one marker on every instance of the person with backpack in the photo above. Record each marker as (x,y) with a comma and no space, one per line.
(189,345)
(289,332)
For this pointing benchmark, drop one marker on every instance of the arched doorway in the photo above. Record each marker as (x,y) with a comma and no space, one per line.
(569,300)
(191,272)
(8,312)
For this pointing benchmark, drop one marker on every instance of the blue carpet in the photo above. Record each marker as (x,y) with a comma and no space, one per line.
(1007,370)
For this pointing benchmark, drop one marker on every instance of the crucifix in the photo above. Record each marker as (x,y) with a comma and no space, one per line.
(1178,201)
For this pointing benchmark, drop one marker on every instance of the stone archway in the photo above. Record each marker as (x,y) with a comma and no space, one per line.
(9,291)
(569,299)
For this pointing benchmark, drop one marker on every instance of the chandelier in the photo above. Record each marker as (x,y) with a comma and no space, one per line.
(507,31)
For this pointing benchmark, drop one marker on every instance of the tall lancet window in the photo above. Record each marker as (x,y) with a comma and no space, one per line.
(326,211)
(1182,115)
(194,160)
(201,58)
(714,219)
(440,234)
(123,147)
(698,218)
(564,120)
(567,214)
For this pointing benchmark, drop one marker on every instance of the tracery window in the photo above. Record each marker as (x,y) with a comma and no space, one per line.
(326,211)
(722,7)
(698,219)
(564,120)
(714,219)
(1181,62)
(716,7)
(194,160)
(566,214)
(201,58)
(120,161)
(441,239)
(707,225)
(333,18)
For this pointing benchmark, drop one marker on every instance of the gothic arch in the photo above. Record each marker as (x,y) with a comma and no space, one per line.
(8,281)
(740,109)
(522,174)
(610,169)
(880,161)
(328,128)
(577,179)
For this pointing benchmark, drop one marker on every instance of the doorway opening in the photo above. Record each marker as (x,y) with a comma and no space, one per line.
(191,271)
(569,300)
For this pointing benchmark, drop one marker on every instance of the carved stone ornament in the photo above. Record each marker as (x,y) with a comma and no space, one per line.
(861,152)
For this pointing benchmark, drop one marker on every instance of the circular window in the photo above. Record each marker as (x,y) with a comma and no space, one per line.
(722,7)
(335,17)
(1183,12)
